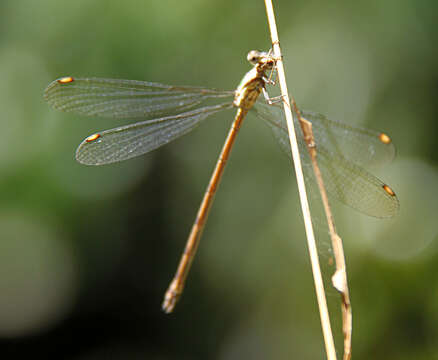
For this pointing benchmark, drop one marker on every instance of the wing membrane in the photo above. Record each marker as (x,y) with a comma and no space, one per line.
(355,143)
(132,99)
(129,141)
(360,145)
(344,179)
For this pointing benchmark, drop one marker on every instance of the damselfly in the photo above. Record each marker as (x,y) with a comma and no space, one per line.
(168,112)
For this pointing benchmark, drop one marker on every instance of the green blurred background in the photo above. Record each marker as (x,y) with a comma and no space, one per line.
(86,253)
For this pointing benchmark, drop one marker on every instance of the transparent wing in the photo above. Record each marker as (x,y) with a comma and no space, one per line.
(126,142)
(343,177)
(124,98)
(362,146)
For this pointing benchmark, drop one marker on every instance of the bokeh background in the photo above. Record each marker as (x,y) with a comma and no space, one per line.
(86,253)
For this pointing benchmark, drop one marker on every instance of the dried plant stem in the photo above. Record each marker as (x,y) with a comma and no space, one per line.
(339,279)
(319,286)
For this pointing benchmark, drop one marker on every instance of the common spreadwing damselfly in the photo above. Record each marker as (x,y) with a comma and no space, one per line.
(166,112)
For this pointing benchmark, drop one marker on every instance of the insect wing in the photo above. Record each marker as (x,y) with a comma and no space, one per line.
(131,99)
(129,141)
(344,179)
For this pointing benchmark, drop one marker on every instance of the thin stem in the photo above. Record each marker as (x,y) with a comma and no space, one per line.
(339,279)
(313,253)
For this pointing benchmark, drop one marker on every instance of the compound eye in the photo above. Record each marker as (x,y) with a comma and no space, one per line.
(253,57)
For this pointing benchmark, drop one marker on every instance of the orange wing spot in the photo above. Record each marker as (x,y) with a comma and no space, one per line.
(384,138)
(388,190)
(92,138)
(66,80)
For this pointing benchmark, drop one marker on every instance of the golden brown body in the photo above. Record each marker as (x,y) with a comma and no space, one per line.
(246,95)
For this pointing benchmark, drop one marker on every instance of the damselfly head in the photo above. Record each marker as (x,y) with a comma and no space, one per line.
(254,56)
(262,58)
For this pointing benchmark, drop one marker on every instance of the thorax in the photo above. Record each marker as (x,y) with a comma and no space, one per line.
(249,89)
